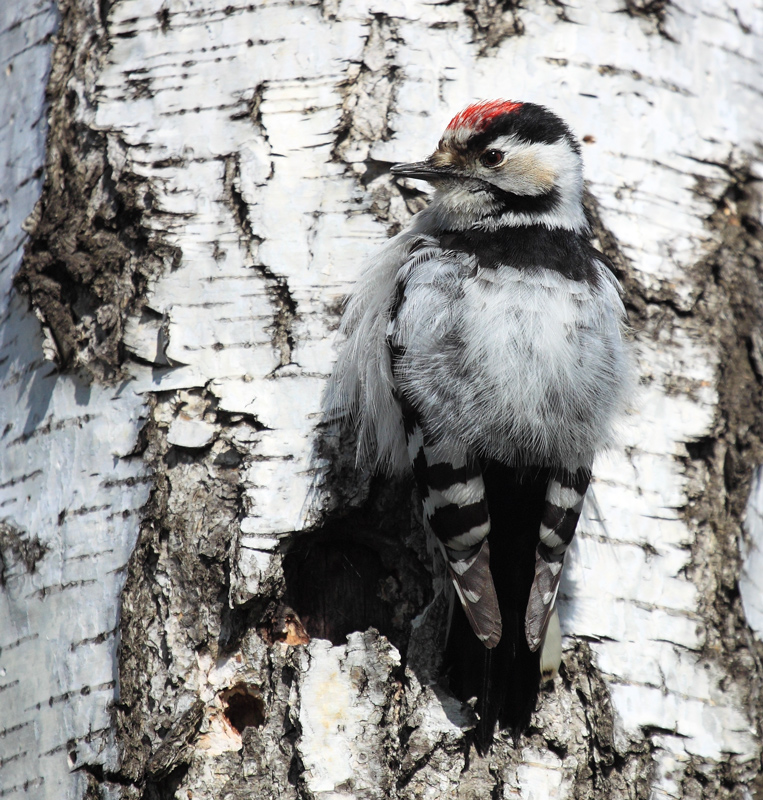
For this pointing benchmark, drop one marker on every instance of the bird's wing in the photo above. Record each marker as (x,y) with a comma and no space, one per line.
(564,502)
(456,512)
(449,480)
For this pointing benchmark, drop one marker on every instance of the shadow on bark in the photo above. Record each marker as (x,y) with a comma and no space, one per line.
(358,572)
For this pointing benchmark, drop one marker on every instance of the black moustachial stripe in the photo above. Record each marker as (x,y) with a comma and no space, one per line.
(522,203)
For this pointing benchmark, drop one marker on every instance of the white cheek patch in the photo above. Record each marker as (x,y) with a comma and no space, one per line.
(533,168)
(532,171)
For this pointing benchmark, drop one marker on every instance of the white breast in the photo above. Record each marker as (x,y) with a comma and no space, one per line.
(525,366)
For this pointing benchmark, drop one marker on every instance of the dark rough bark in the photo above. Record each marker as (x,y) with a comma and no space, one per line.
(90,255)
(720,467)
(177,578)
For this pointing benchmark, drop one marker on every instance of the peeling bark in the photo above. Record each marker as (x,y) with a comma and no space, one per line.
(216,603)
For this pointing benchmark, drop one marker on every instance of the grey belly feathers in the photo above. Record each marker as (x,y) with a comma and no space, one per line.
(517,363)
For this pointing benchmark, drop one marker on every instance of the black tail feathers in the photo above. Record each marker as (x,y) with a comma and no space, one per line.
(504,680)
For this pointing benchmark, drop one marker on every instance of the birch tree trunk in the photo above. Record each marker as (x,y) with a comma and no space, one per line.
(199,597)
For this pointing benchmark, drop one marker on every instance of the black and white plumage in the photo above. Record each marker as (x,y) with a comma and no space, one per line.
(484,351)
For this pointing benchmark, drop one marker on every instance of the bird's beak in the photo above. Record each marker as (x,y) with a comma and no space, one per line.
(422,170)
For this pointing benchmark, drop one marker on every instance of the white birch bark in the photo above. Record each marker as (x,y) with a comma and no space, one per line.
(215,178)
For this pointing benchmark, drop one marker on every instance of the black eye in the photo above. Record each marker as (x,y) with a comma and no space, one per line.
(491,158)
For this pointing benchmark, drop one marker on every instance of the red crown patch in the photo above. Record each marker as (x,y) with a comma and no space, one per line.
(478,115)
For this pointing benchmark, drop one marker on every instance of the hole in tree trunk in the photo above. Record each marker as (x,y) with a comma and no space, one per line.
(334,586)
(359,573)
(244,708)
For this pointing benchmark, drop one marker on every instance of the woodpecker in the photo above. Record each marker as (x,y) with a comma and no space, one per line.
(485,351)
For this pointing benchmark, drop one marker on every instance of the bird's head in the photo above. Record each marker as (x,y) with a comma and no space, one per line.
(501,163)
